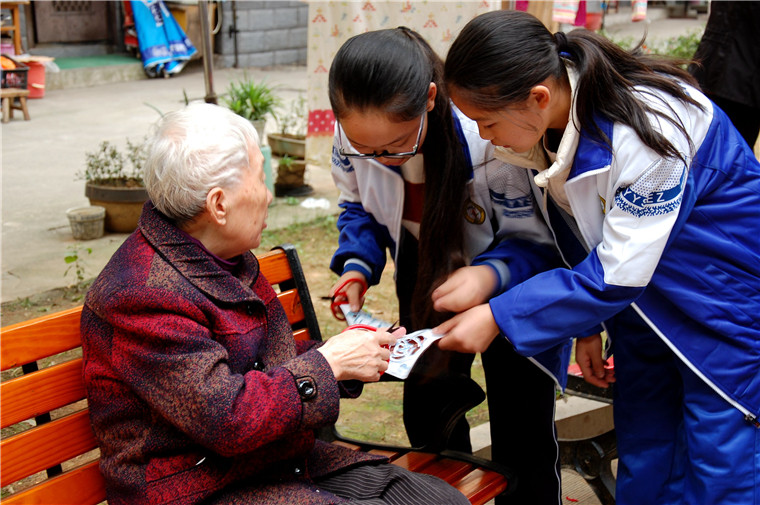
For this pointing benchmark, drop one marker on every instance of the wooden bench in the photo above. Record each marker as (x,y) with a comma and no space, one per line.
(58,451)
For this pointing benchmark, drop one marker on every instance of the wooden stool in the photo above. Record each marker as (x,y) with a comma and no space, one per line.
(9,96)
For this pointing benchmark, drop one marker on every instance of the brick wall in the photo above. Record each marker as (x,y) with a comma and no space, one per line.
(268,33)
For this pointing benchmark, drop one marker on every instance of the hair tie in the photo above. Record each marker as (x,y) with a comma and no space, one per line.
(562,45)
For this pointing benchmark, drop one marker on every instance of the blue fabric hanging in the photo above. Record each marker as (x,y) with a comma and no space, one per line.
(164,47)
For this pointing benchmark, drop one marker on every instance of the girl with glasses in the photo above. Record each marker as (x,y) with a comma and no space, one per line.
(417,180)
(654,199)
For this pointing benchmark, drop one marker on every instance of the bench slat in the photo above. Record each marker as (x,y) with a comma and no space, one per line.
(275,267)
(415,461)
(291,302)
(40,392)
(45,446)
(479,486)
(449,470)
(40,337)
(83,485)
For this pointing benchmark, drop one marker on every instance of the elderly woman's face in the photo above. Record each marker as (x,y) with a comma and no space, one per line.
(248,206)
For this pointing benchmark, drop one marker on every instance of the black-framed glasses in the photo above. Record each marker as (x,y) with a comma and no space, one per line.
(384,154)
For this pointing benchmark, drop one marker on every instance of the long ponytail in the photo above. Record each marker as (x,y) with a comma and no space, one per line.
(499,56)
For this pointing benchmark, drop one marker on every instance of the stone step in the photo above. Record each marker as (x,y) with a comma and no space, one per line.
(576,418)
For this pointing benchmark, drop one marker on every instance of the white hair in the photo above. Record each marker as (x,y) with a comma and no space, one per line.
(194,150)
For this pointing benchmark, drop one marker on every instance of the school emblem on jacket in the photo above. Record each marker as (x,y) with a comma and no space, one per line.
(658,191)
(521,206)
(474,213)
(341,162)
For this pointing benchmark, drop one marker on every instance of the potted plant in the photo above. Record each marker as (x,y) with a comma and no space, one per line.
(114,181)
(290,177)
(253,101)
(291,139)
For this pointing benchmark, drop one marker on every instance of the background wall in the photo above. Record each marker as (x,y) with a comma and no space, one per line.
(262,34)
(332,23)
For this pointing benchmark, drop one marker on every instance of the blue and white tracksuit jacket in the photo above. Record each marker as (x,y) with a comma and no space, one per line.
(678,242)
(502,226)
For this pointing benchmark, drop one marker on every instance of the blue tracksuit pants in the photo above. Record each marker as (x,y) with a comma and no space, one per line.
(679,442)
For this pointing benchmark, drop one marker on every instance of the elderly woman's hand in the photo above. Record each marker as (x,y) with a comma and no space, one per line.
(359,354)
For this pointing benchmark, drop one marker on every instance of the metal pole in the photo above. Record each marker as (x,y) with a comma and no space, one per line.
(208,66)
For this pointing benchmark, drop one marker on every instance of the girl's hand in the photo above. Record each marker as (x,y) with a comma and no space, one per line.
(465,288)
(359,354)
(471,331)
(588,355)
(352,291)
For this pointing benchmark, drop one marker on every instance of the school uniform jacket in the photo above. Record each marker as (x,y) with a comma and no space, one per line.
(678,242)
(502,226)
(193,377)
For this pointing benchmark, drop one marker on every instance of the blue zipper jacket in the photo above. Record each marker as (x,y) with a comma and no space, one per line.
(678,242)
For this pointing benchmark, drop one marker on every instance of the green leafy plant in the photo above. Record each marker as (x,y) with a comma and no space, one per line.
(681,47)
(75,260)
(108,166)
(252,100)
(286,161)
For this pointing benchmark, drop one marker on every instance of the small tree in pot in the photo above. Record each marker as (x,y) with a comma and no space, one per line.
(291,139)
(114,181)
(290,145)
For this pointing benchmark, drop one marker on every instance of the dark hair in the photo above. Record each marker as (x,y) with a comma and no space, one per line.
(391,71)
(500,55)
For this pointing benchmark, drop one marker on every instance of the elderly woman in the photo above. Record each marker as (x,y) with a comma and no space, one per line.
(191,370)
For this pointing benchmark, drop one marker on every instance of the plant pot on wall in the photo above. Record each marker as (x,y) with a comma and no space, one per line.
(284,144)
(123,205)
(290,178)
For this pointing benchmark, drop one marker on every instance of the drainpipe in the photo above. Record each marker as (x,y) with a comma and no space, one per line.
(208,55)
(233,31)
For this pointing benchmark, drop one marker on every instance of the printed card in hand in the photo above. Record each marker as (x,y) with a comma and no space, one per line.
(407,350)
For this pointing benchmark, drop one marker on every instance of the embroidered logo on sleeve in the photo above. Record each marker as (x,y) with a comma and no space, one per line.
(474,213)
(658,191)
(341,162)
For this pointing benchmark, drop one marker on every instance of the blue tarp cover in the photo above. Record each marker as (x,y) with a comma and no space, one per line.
(164,47)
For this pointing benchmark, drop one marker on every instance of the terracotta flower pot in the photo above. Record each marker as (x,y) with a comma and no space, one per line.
(123,205)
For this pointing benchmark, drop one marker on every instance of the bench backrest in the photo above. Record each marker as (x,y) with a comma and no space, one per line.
(49,394)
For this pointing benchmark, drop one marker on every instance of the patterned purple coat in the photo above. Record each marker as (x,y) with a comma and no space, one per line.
(193,378)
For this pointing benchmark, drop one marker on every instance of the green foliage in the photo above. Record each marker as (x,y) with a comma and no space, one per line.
(294,119)
(286,161)
(681,47)
(110,167)
(75,260)
(251,100)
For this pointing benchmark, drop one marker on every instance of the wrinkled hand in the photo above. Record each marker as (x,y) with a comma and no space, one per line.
(588,355)
(471,331)
(353,291)
(359,354)
(465,288)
